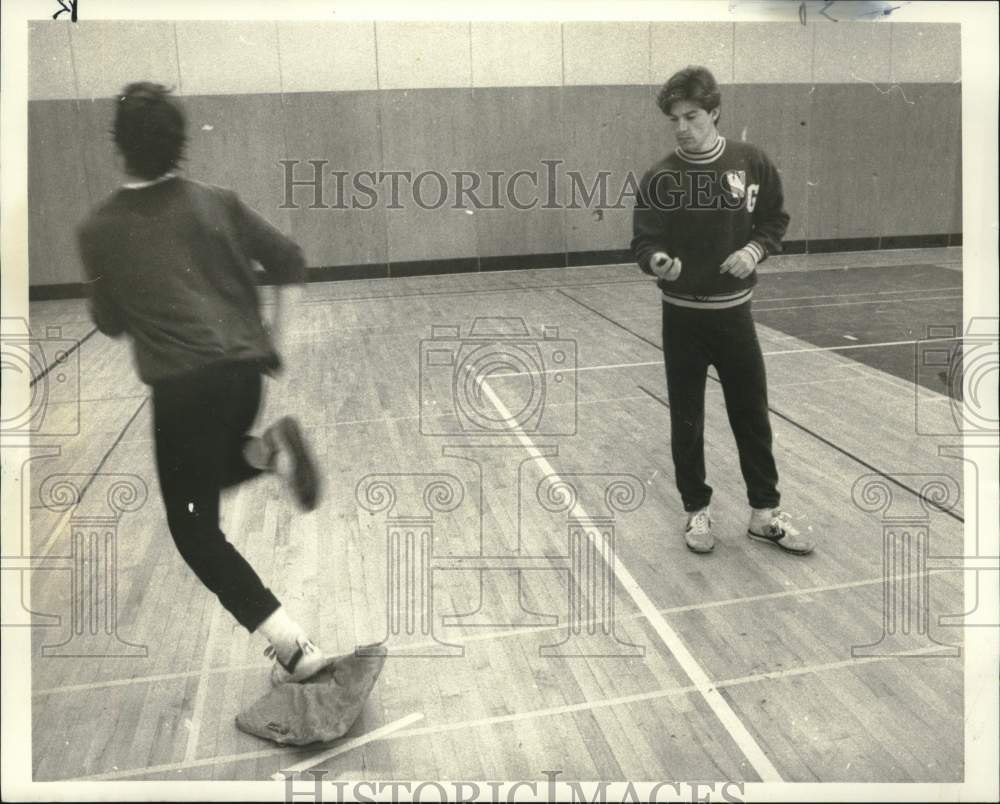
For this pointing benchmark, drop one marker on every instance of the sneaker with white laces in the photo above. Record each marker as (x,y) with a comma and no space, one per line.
(698,534)
(304,663)
(775,526)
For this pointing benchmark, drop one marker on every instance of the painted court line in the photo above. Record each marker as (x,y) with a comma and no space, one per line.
(566,709)
(513,632)
(851,303)
(744,740)
(653,695)
(808,349)
(350,745)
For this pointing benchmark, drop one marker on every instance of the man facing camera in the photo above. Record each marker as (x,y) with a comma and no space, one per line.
(706,216)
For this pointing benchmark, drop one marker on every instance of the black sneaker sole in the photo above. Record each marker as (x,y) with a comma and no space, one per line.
(305,478)
(777,543)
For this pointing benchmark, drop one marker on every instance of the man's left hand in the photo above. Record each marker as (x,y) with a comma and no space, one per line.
(741,263)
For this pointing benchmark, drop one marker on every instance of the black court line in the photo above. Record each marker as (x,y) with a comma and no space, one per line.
(847,453)
(111,449)
(598,313)
(61,360)
(841,450)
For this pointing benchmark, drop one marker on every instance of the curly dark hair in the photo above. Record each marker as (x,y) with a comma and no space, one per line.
(695,84)
(149,129)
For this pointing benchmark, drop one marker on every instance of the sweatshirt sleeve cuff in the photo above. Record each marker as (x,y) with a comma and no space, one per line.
(758,251)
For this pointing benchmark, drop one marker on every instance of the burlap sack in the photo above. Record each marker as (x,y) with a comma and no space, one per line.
(320,709)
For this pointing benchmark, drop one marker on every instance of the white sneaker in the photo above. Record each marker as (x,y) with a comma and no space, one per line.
(775,526)
(698,534)
(305,663)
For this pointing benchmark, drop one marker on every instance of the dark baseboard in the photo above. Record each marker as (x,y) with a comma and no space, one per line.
(520,262)
(74,290)
(69,290)
(578,258)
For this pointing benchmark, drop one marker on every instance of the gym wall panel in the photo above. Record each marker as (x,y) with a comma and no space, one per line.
(102,166)
(922,147)
(852,51)
(432,130)
(516,54)
(342,128)
(51,74)
(236,141)
(414,55)
(605,53)
(144,51)
(955,221)
(776,118)
(58,198)
(926,52)
(675,45)
(228,58)
(847,148)
(327,56)
(597,121)
(516,130)
(773,52)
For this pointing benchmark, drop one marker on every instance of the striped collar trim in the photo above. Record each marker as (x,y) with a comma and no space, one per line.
(703,157)
(721,301)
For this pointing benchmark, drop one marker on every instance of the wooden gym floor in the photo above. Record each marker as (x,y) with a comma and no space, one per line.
(733,666)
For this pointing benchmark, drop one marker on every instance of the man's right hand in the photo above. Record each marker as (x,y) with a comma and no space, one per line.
(664,266)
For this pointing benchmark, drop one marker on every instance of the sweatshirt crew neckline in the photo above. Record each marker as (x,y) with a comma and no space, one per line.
(703,157)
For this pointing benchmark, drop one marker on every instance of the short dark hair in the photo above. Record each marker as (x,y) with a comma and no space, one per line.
(149,129)
(695,84)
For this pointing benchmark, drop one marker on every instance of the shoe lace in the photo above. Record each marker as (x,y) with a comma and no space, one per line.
(782,521)
(699,521)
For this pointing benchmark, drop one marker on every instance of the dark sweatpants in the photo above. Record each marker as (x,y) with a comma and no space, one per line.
(693,339)
(200,425)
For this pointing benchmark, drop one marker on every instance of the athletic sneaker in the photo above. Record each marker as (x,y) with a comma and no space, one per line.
(775,526)
(698,534)
(305,663)
(285,438)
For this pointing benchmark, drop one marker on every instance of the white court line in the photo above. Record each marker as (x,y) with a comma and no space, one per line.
(350,745)
(653,695)
(741,736)
(838,348)
(513,632)
(566,709)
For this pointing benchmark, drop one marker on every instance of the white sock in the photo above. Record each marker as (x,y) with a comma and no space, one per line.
(283,633)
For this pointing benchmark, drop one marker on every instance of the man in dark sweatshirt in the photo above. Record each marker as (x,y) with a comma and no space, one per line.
(705,217)
(169,262)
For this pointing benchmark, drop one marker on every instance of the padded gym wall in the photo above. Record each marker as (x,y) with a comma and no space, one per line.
(863,119)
